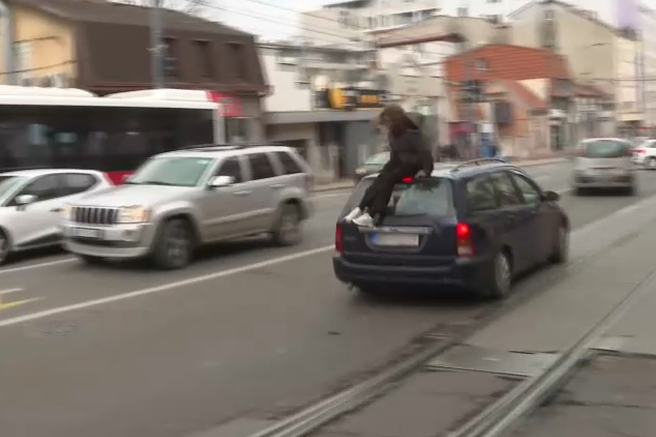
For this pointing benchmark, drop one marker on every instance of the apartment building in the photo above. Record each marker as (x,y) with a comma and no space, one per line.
(599,54)
(322,102)
(104,47)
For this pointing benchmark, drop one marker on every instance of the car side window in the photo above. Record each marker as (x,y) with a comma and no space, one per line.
(261,167)
(480,195)
(230,167)
(75,183)
(44,188)
(289,164)
(508,194)
(529,191)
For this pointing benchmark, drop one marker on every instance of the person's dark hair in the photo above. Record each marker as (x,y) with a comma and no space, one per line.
(396,119)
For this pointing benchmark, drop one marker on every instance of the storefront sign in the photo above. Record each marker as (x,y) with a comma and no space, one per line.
(230,103)
(350,98)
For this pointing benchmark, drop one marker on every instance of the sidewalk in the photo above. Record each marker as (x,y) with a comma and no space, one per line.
(348,183)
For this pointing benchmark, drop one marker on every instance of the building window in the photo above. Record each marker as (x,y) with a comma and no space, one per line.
(463,12)
(22,59)
(204,58)
(549,15)
(236,130)
(481,65)
(495,19)
(236,51)
(169,47)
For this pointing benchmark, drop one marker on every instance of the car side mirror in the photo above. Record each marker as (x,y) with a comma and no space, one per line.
(550,196)
(25,199)
(221,181)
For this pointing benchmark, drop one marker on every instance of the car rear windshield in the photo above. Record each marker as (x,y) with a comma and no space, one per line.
(605,149)
(378,159)
(430,196)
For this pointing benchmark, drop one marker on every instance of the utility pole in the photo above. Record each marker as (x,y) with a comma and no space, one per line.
(156,55)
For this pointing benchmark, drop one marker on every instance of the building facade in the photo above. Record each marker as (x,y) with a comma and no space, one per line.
(322,102)
(104,47)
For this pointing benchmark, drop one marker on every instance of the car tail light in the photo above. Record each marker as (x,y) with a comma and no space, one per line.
(108,179)
(463,240)
(639,151)
(407,180)
(338,239)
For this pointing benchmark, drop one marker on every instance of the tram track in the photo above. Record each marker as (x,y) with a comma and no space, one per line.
(492,420)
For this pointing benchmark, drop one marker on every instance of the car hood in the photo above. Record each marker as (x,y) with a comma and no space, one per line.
(135,195)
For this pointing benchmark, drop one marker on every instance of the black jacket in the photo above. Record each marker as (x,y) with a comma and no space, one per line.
(410,150)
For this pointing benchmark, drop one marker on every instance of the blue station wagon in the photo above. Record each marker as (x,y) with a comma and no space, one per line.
(472,226)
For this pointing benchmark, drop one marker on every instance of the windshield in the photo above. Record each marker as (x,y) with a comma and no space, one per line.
(605,149)
(7,183)
(173,171)
(423,197)
(378,159)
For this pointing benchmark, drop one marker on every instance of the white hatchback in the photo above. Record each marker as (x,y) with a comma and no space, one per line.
(31,204)
(604,163)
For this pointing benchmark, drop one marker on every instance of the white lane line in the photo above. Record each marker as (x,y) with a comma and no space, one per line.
(36,266)
(164,287)
(10,290)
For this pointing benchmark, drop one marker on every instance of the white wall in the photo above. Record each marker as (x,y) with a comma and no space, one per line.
(287,94)
(626,68)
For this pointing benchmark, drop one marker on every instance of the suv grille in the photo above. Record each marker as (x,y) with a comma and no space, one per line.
(94,215)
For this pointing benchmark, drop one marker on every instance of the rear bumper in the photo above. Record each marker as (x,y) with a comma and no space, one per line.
(618,181)
(472,273)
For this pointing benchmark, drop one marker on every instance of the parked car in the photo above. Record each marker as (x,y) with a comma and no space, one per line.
(371,165)
(604,163)
(645,154)
(473,226)
(31,202)
(178,201)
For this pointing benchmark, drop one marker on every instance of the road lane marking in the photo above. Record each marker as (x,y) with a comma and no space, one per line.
(164,287)
(6,306)
(38,265)
(10,290)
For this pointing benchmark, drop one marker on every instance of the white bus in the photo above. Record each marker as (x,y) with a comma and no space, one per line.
(72,128)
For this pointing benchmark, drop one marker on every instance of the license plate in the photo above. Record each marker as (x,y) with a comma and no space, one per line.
(87,233)
(398,240)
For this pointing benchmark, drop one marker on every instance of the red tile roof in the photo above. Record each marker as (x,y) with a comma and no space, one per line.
(527,96)
(507,62)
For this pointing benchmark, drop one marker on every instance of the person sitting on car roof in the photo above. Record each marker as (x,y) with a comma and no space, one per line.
(409,155)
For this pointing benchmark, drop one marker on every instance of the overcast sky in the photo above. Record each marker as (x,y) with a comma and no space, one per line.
(269,19)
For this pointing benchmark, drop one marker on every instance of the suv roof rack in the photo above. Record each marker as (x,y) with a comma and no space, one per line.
(477,162)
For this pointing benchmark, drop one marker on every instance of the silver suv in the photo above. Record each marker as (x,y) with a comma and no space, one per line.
(178,201)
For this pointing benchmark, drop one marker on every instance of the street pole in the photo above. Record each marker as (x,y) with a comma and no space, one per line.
(156,64)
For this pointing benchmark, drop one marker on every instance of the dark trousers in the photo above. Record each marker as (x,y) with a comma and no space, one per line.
(377,196)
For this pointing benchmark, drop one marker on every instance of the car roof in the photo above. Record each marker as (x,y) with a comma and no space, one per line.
(589,140)
(220,151)
(45,171)
(457,171)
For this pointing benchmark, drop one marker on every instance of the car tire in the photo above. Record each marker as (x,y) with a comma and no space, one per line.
(91,260)
(367,290)
(175,245)
(560,253)
(288,230)
(501,279)
(650,163)
(5,247)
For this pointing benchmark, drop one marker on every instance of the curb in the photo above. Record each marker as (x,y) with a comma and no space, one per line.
(338,186)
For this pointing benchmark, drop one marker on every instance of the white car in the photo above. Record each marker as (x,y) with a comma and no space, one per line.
(645,154)
(31,204)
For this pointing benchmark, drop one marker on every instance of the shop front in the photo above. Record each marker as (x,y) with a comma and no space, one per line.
(242,116)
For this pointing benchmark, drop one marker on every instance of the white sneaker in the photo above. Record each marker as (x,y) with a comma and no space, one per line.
(365,220)
(357,212)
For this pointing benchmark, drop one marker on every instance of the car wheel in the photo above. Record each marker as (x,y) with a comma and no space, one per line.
(174,245)
(501,276)
(5,247)
(560,252)
(288,230)
(367,289)
(650,163)
(91,260)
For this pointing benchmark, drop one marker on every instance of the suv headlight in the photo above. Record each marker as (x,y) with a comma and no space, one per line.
(133,214)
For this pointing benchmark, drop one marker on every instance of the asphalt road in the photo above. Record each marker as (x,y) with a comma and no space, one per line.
(248,330)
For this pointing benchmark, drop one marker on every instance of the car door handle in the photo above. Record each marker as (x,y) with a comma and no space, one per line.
(242,193)
(57,210)
(277,186)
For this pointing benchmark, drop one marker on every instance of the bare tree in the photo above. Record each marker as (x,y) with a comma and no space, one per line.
(192,7)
